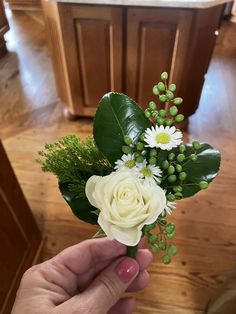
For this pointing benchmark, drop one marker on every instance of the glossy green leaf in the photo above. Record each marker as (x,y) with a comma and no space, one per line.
(205,168)
(79,206)
(117,116)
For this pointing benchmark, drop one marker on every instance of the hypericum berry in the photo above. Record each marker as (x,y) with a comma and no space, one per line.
(193,157)
(196,145)
(153,152)
(142,136)
(182,148)
(177,188)
(178,168)
(173,111)
(155,90)
(126,149)
(171,235)
(180,157)
(148,228)
(172,250)
(203,185)
(182,176)
(140,146)
(166,259)
(127,140)
(164,76)
(152,238)
(177,101)
(154,113)
(165,164)
(172,178)
(171,197)
(162,113)
(139,159)
(160,120)
(178,195)
(162,98)
(170,228)
(155,248)
(171,169)
(152,160)
(171,156)
(161,86)
(162,245)
(172,87)
(152,105)
(147,113)
(169,95)
(168,122)
(179,118)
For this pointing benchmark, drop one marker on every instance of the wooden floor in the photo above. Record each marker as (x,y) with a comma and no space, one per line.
(31,114)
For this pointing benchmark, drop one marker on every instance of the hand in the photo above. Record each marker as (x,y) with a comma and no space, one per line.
(88,278)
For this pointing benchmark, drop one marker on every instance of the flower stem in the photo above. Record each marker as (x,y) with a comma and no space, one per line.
(132,251)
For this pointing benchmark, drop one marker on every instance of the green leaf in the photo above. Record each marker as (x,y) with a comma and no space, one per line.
(80,206)
(99,234)
(205,168)
(117,116)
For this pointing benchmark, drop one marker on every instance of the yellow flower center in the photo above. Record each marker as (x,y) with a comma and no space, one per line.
(146,172)
(163,138)
(130,164)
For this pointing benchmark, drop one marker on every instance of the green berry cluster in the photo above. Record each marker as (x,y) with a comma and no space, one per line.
(173,170)
(159,240)
(139,150)
(165,93)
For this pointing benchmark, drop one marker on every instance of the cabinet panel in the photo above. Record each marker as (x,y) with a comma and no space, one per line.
(157,41)
(92,48)
(19,235)
(4,27)
(93,43)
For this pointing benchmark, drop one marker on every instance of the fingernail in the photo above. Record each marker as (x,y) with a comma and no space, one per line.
(127,269)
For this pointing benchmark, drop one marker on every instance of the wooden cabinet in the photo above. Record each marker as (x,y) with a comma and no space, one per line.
(86,45)
(19,235)
(97,49)
(24,4)
(4,27)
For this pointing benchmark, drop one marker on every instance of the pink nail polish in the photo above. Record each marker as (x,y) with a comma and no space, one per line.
(127,269)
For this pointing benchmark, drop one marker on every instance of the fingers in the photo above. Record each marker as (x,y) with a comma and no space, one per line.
(79,258)
(140,282)
(144,258)
(107,288)
(124,306)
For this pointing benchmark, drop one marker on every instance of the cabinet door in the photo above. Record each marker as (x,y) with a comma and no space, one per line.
(92,46)
(4,27)
(179,41)
(19,234)
(157,41)
(3,20)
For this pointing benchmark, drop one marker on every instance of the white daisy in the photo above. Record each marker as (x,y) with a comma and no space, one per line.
(126,163)
(164,137)
(170,206)
(149,174)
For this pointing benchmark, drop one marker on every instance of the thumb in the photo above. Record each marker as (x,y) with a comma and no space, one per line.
(110,285)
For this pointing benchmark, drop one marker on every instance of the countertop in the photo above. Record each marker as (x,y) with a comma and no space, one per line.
(196,4)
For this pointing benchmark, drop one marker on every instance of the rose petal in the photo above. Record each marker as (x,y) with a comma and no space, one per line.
(130,237)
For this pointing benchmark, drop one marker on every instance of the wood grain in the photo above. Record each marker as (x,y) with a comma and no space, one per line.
(19,235)
(206,224)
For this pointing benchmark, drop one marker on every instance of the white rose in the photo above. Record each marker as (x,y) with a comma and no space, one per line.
(126,205)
